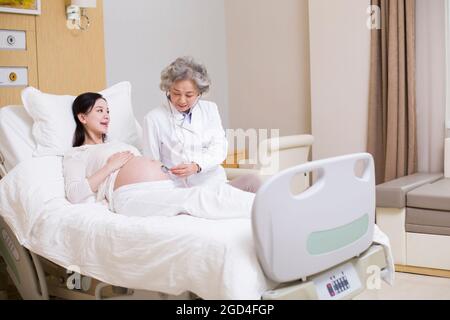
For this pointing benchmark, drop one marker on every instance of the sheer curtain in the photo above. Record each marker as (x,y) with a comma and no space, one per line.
(431,70)
(392,136)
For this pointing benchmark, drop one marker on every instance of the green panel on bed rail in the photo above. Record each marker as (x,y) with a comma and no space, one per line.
(330,240)
(4,252)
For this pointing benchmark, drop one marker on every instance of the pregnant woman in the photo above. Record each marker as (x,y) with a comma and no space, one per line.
(115,172)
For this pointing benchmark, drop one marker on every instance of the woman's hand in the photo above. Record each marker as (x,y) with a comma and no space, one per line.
(118,160)
(115,162)
(185,170)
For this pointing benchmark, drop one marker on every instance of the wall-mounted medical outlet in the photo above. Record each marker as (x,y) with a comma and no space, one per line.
(13,77)
(13,40)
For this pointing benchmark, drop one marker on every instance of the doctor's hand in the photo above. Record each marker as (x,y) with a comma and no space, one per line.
(118,160)
(185,170)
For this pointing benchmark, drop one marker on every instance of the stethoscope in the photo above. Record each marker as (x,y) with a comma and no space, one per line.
(182,140)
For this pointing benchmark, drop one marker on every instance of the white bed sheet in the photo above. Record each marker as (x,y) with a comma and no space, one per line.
(213,259)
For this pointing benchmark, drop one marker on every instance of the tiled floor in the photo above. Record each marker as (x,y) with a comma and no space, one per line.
(411,287)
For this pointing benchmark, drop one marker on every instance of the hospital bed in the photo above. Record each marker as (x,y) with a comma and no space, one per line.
(318,244)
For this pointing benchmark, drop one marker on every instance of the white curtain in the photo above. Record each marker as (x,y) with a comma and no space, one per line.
(430,80)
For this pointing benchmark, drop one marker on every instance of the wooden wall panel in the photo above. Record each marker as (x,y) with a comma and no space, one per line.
(17,21)
(70,61)
(26,58)
(59,60)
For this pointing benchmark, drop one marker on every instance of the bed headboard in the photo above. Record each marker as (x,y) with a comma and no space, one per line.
(16,140)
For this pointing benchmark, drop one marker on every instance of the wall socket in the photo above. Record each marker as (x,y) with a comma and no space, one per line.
(13,77)
(13,40)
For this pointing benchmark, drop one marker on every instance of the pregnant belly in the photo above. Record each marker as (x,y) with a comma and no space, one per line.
(140,169)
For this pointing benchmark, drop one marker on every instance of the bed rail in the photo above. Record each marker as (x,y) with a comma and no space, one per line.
(23,267)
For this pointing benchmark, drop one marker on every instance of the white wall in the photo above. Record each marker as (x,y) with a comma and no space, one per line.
(268,59)
(142,37)
(258,54)
(340,65)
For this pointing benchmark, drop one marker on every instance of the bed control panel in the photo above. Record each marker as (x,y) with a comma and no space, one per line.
(337,283)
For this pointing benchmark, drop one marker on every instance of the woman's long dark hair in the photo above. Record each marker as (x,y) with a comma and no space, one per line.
(83,104)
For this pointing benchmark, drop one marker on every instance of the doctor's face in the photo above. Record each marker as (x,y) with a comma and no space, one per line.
(183,95)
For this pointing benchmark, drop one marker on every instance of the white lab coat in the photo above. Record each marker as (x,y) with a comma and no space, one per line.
(170,138)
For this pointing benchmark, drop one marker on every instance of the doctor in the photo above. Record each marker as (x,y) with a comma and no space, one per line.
(186,132)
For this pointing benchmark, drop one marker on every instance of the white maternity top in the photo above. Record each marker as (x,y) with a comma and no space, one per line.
(84,161)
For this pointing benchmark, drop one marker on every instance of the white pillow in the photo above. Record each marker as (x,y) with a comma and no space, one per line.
(54,126)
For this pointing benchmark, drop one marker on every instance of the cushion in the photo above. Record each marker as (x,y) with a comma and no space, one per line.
(54,125)
(16,141)
(427,221)
(392,194)
(434,196)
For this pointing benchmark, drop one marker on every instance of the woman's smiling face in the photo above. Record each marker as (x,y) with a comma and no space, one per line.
(97,120)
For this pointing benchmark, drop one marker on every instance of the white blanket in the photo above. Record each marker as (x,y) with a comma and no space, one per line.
(213,259)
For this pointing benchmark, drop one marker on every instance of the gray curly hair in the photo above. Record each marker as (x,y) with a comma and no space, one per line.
(185,68)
